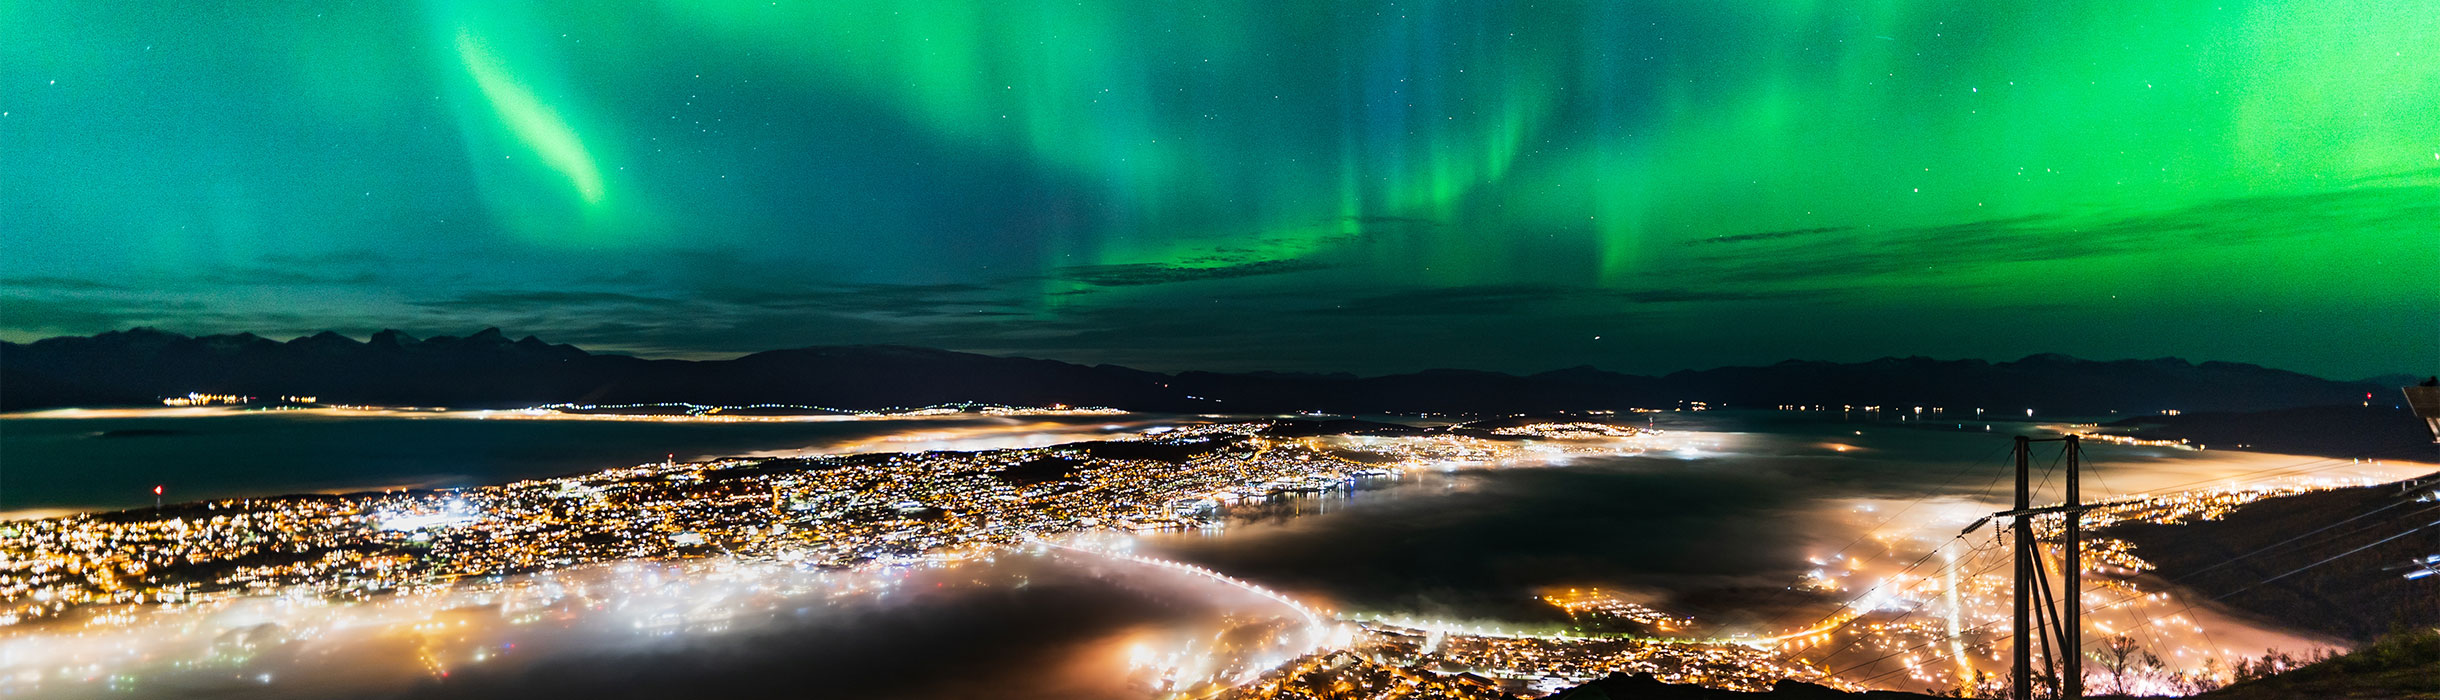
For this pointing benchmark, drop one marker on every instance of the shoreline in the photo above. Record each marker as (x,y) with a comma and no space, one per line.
(703,473)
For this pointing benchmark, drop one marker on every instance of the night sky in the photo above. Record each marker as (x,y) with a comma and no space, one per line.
(1640,186)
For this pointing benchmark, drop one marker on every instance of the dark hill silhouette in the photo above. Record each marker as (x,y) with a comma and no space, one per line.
(2268,558)
(487,369)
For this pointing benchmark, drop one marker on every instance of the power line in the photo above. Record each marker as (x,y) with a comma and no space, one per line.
(1962,470)
(2335,557)
(2315,531)
(2119,603)
(2290,470)
(2139,612)
(2188,609)
(1909,611)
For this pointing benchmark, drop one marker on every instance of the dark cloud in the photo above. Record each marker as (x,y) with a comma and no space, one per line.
(1138,274)
(59,284)
(1861,253)
(881,299)
(1665,295)
(1769,235)
(47,313)
(1503,299)
(272,275)
(1260,255)
(734,319)
(1544,171)
(512,301)
(1384,220)
(2425,176)
(354,256)
(1437,301)
(618,278)
(857,298)
(1247,312)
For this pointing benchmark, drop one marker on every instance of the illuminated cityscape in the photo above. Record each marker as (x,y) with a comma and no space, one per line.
(827,512)
(840,517)
(1226,350)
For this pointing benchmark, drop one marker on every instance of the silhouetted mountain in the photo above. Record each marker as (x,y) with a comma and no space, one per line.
(486,369)
(144,365)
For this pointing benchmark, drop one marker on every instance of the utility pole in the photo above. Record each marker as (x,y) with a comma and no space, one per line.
(2021,672)
(2067,623)
(2072,575)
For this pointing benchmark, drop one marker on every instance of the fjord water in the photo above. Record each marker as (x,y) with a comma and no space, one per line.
(1714,519)
(1716,522)
(67,460)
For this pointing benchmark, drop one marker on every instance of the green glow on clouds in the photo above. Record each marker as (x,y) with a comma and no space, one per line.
(1342,185)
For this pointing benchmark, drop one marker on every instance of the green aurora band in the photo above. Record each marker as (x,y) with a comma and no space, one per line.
(1364,186)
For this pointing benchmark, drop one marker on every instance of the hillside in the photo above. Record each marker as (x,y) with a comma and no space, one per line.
(2275,558)
(2401,666)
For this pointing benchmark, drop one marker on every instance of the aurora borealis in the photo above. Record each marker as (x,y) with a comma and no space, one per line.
(1641,186)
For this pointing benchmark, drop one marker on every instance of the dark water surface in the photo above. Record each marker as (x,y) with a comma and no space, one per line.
(1715,520)
(114,462)
(1717,527)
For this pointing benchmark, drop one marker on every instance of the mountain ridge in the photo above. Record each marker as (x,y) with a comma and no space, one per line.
(488,369)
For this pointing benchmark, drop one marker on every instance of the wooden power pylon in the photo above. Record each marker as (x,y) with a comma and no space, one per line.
(2040,616)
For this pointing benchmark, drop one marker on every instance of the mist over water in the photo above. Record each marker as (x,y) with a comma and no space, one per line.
(1481,544)
(1021,625)
(1727,509)
(1718,528)
(1715,521)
